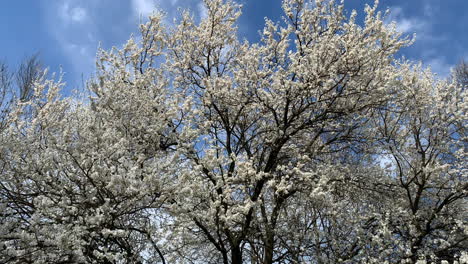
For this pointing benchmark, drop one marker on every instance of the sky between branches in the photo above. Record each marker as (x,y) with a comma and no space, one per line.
(67,33)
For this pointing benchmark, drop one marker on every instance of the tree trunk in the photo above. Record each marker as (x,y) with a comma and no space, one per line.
(269,245)
(236,255)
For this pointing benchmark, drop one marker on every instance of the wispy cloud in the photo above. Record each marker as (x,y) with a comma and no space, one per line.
(440,66)
(78,26)
(406,24)
(72,14)
(78,14)
(202,11)
(428,9)
(71,23)
(426,40)
(143,7)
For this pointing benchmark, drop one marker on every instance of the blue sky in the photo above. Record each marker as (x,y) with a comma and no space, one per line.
(67,33)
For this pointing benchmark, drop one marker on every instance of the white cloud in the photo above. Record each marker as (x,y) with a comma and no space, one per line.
(71,23)
(407,25)
(143,7)
(440,66)
(78,25)
(428,9)
(202,11)
(80,54)
(76,14)
(411,25)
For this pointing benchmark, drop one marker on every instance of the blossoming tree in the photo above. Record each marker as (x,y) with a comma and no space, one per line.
(196,147)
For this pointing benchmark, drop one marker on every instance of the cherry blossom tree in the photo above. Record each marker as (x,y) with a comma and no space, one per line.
(422,134)
(460,73)
(314,145)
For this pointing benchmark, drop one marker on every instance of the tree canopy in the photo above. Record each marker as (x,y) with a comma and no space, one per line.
(315,145)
